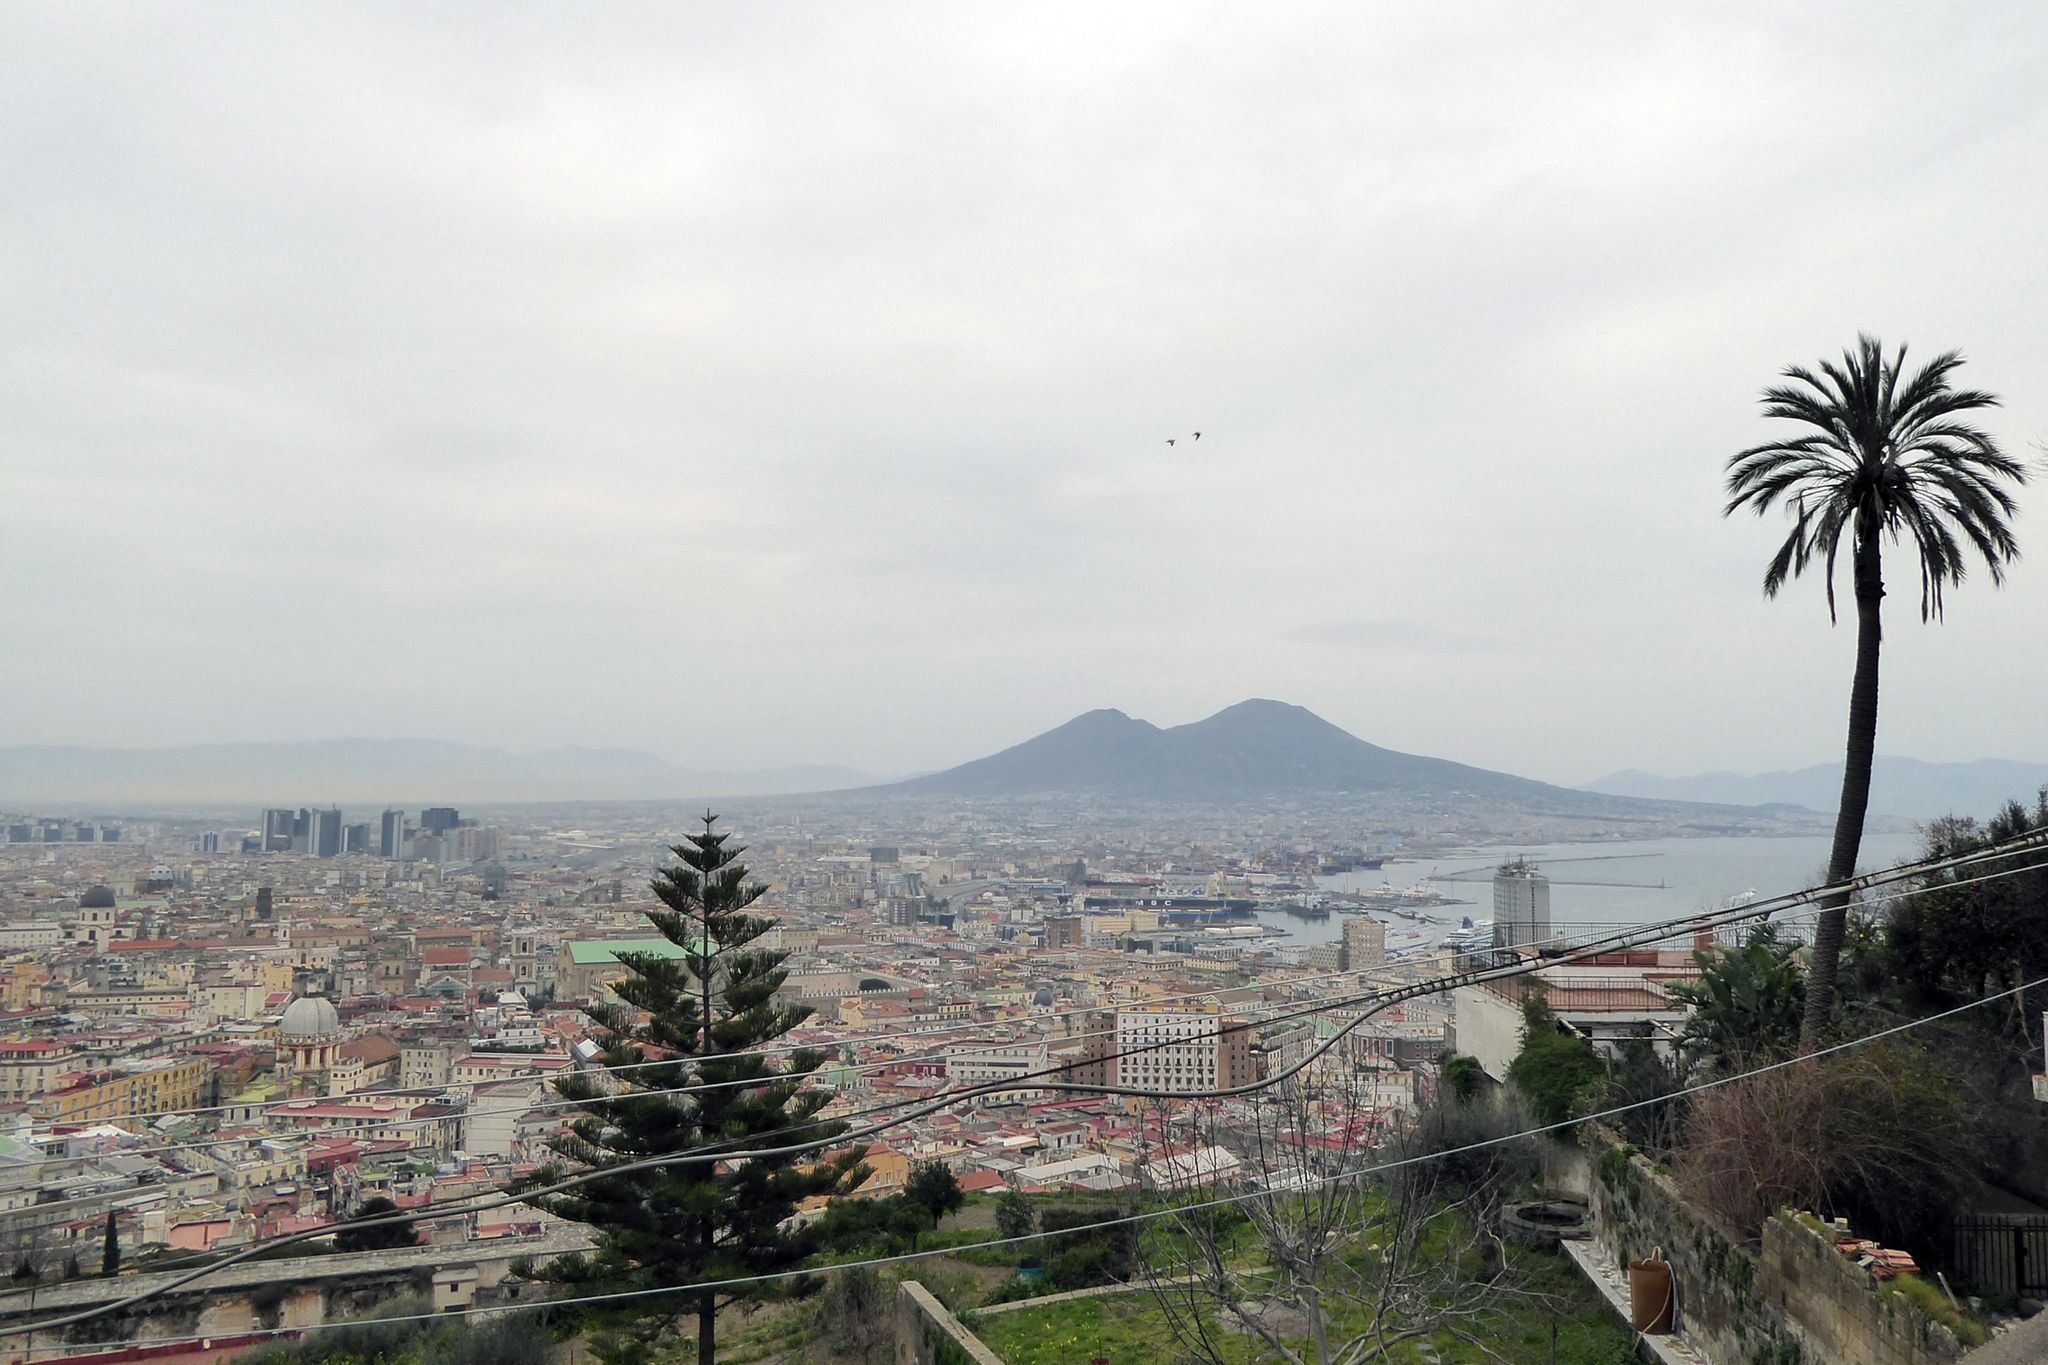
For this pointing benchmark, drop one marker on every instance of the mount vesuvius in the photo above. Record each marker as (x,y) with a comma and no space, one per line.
(1255,749)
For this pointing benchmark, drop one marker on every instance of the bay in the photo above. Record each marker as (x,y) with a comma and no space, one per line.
(1606,882)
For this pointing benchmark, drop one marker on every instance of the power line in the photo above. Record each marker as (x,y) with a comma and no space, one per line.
(1378,1000)
(1027,1080)
(858,1068)
(427,1091)
(1885,877)
(1123,1219)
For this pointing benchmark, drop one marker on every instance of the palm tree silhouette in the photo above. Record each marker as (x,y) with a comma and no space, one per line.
(1885,456)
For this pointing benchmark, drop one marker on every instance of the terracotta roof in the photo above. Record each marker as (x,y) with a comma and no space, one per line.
(374,1049)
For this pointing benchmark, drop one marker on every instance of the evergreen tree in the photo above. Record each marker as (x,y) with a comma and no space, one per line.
(1014,1216)
(384,1237)
(931,1187)
(110,1254)
(699,1013)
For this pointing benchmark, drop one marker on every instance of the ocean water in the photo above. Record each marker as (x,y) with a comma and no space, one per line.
(1609,882)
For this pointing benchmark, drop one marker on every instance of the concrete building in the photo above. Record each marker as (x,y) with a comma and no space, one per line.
(1365,944)
(323,833)
(1005,1062)
(1521,904)
(1183,1048)
(1604,1000)
(143,1086)
(277,830)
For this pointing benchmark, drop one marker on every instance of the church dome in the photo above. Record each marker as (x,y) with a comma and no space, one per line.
(97,898)
(1044,996)
(308,1017)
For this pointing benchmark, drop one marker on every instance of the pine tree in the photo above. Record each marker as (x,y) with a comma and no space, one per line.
(692,1011)
(110,1252)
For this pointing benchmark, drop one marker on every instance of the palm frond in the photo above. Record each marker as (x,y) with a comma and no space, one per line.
(1890,455)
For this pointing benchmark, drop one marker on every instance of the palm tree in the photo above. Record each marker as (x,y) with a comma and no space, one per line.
(1885,457)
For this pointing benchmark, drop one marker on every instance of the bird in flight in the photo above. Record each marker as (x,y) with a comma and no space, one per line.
(1198,436)
(1169,440)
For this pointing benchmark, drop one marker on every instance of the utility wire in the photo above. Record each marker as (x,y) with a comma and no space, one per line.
(1433,986)
(1378,1001)
(1148,1215)
(1897,873)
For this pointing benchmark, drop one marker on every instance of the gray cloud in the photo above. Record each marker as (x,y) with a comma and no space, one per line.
(475,371)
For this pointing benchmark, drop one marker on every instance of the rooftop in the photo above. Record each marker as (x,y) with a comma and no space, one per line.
(592,954)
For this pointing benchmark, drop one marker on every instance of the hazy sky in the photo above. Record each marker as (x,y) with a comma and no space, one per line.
(761,384)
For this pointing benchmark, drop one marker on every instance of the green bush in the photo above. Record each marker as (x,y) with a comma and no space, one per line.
(1934,1304)
(1553,1070)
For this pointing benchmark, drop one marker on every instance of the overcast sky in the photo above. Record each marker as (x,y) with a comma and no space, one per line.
(767,384)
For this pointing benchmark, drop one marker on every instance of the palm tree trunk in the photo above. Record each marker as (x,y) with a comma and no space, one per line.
(1834,913)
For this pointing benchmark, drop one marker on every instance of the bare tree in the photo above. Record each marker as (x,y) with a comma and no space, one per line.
(1313,1263)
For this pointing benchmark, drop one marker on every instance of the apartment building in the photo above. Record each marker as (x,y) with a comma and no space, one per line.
(1182,1048)
(147,1086)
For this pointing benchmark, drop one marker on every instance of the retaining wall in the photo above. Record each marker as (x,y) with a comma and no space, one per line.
(1717,1303)
(1838,1305)
(1799,1302)
(927,1334)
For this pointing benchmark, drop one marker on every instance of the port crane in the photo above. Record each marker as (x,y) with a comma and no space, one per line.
(1484,873)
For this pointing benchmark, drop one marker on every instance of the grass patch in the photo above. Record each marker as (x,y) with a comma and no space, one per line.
(1125,1328)
(1129,1329)
(1934,1304)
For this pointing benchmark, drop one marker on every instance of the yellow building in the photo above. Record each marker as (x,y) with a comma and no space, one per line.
(888,1173)
(139,1087)
(24,983)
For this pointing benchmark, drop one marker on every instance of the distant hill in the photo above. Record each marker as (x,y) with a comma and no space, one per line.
(377,770)
(1902,787)
(1253,749)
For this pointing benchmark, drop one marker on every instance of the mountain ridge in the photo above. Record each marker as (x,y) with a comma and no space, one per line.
(1254,748)
(1904,788)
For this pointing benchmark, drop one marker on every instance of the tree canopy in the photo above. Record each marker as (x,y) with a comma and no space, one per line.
(692,1027)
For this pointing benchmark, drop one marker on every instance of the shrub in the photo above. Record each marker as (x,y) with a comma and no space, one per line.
(1553,1070)
(1881,1135)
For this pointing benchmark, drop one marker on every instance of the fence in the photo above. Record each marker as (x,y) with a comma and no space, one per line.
(2003,1253)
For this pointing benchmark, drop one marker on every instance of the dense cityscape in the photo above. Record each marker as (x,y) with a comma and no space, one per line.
(217,1035)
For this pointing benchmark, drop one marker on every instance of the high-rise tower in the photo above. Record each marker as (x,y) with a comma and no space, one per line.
(391,835)
(1521,904)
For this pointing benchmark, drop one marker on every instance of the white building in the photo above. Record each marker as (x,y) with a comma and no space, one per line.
(1003,1062)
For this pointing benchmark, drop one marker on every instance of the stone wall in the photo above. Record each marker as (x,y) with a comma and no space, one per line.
(1717,1303)
(1838,1305)
(927,1334)
(1800,1302)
